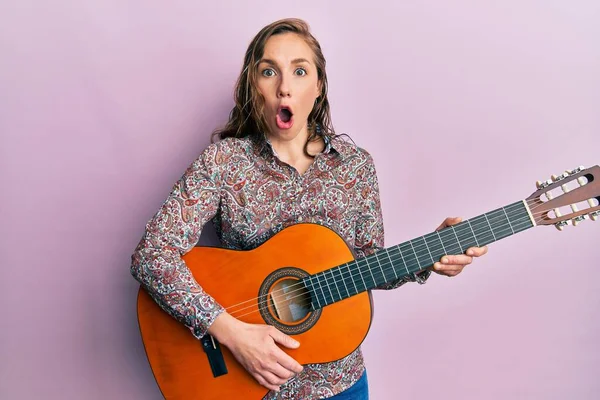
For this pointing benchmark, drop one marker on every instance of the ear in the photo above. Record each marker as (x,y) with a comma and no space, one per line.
(319,88)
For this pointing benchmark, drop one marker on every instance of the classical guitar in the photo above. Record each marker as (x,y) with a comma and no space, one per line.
(306,282)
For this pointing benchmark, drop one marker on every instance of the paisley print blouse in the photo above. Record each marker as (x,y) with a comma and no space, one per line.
(249,194)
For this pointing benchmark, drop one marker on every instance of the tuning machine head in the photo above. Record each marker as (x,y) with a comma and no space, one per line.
(594,216)
(560,225)
(576,170)
(541,185)
(556,178)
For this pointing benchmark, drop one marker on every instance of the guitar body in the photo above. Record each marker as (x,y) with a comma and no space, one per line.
(236,279)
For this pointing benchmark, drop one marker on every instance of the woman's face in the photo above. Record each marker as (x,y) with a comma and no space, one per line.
(288,81)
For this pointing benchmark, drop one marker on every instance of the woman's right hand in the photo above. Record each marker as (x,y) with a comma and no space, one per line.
(255,347)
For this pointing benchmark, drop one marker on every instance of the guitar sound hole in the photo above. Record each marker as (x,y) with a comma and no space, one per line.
(286,302)
(289,300)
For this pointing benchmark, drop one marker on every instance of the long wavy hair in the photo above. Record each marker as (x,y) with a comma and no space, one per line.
(247,116)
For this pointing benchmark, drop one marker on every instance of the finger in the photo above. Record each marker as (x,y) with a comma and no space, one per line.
(266,384)
(453,272)
(447,269)
(457,260)
(449,222)
(444,269)
(477,251)
(283,339)
(281,372)
(288,362)
(272,379)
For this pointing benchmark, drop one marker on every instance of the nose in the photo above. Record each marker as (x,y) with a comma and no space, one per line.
(284,89)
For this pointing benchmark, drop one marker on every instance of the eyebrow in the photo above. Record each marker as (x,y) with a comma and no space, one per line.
(294,61)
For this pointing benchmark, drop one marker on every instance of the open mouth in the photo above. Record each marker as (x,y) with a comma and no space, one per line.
(284,114)
(284,117)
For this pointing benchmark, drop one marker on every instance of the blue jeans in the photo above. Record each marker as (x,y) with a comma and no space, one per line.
(358,391)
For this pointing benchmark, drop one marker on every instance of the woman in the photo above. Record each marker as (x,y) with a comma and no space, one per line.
(278,163)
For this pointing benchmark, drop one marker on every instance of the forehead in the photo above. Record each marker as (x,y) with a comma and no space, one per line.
(287,46)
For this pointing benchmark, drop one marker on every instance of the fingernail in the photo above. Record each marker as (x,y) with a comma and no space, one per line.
(470,252)
(445,260)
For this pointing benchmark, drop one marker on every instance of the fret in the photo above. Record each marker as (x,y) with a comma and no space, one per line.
(416,256)
(365,287)
(435,245)
(473,232)
(424,255)
(370,270)
(498,217)
(491,230)
(320,287)
(508,219)
(387,253)
(428,250)
(384,279)
(324,283)
(336,286)
(344,281)
(442,242)
(408,259)
(466,236)
(313,291)
(460,246)
(404,264)
(522,221)
(481,228)
(352,278)
(450,240)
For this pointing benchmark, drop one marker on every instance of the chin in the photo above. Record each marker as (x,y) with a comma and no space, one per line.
(289,133)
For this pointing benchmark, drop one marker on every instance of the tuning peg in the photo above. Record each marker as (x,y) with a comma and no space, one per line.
(594,216)
(576,170)
(560,225)
(556,178)
(578,219)
(541,185)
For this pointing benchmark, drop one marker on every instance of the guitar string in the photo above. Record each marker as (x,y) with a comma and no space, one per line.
(363,261)
(359,267)
(235,305)
(262,304)
(418,254)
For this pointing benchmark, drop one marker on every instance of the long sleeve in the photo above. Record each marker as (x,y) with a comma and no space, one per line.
(369,232)
(173,231)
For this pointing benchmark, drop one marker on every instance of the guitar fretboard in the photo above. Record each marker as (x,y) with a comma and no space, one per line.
(407,258)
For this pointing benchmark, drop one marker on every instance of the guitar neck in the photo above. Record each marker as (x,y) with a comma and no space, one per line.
(415,255)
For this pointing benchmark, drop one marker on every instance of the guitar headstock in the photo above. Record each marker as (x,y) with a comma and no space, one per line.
(570,197)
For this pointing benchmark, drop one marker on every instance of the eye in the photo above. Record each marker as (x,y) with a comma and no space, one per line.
(300,72)
(268,72)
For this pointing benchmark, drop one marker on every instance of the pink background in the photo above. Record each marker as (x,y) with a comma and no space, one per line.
(463,105)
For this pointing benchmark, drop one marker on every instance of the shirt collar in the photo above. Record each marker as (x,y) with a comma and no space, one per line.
(338,146)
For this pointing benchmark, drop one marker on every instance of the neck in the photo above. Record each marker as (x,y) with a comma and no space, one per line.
(415,255)
(289,148)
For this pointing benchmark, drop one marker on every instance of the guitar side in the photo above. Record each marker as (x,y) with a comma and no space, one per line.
(178,361)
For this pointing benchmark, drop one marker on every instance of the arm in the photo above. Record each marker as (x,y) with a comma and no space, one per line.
(158,266)
(174,230)
(369,234)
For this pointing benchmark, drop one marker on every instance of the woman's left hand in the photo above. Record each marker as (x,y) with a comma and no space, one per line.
(452,265)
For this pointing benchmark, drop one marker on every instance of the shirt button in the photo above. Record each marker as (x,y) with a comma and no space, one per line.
(300,219)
